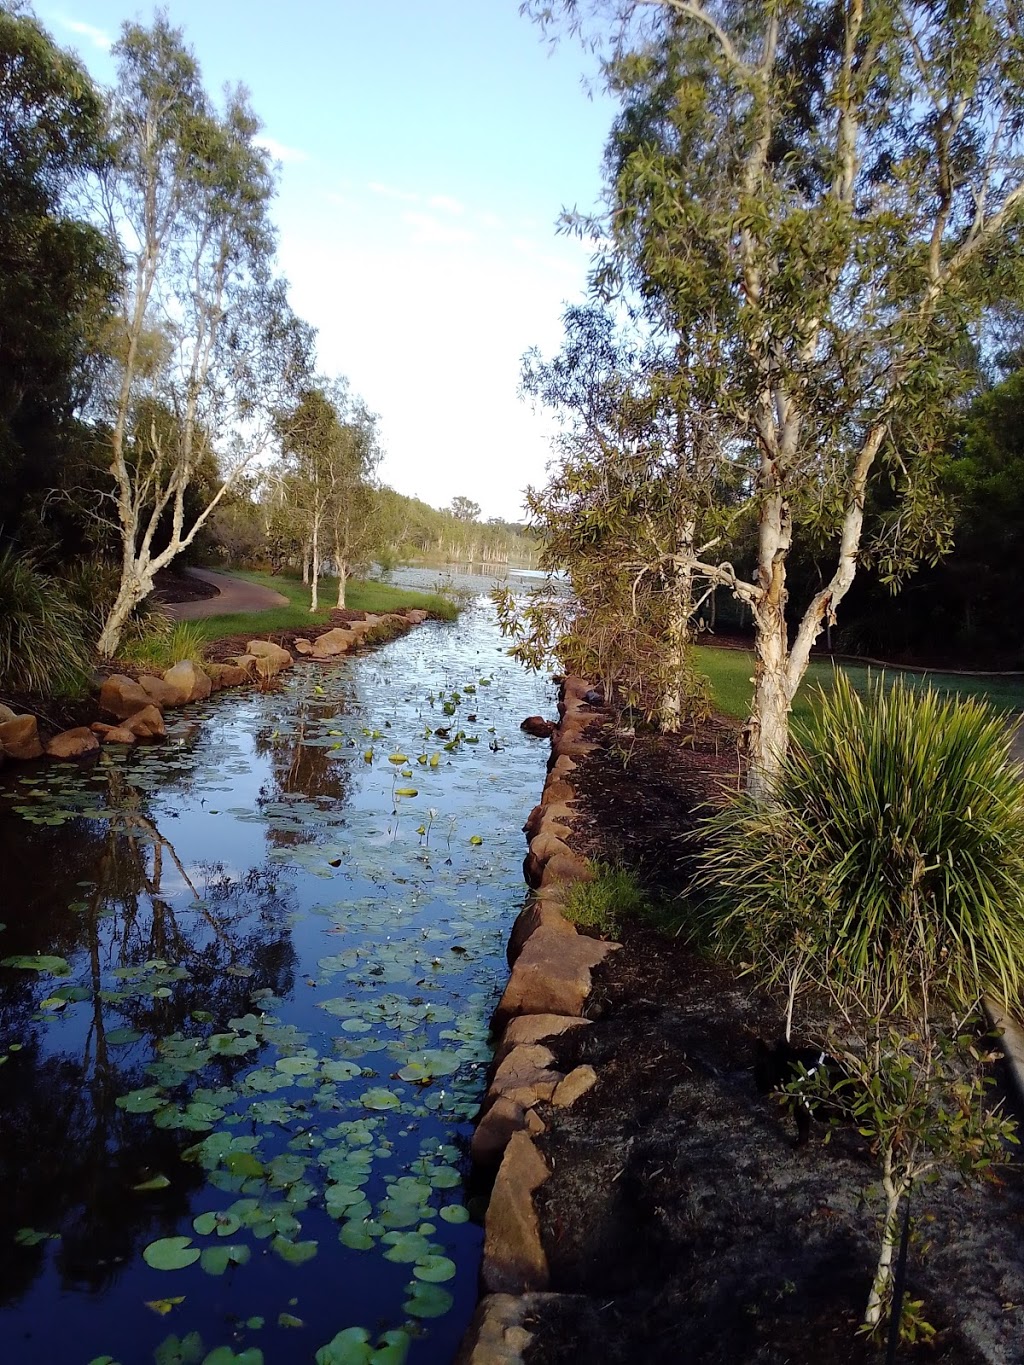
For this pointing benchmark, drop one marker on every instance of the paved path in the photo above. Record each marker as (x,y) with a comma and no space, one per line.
(233,595)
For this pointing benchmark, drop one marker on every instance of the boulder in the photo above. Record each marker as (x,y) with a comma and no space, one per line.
(19,738)
(532,1028)
(159,692)
(538,727)
(491,1135)
(247,663)
(121,696)
(416,616)
(270,659)
(543,847)
(117,734)
(498,1335)
(226,675)
(330,644)
(561,767)
(302,646)
(565,869)
(526,1076)
(539,912)
(514,1260)
(6,713)
(73,743)
(146,724)
(577,1083)
(555,789)
(551,975)
(188,682)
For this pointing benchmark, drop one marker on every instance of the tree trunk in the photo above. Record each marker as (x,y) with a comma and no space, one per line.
(880,1288)
(134,588)
(769,718)
(342,576)
(314,565)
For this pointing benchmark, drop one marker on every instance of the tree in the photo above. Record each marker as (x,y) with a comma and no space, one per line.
(819,200)
(56,269)
(188,199)
(465,509)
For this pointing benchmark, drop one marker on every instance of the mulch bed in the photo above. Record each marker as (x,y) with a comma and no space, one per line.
(680,1209)
(173,586)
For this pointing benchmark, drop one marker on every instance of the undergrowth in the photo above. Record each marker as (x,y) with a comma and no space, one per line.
(614,899)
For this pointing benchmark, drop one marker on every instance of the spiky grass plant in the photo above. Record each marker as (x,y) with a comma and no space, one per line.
(163,643)
(890,864)
(43,642)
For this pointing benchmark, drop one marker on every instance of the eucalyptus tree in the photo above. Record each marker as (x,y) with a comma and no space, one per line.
(821,197)
(204,326)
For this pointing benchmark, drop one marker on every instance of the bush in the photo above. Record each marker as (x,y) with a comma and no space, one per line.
(44,642)
(891,863)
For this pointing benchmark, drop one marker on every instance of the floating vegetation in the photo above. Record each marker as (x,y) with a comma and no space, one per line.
(265,993)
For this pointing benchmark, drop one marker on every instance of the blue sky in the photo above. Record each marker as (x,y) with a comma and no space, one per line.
(427,148)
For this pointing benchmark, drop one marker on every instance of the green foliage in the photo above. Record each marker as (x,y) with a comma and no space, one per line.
(163,644)
(43,641)
(890,864)
(613,899)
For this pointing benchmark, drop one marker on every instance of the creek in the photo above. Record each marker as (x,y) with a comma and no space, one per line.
(244,1004)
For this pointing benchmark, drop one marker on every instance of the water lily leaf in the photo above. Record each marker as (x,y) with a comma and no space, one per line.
(445,1178)
(294,1252)
(55,1002)
(339,1070)
(475,839)
(118,1037)
(356,1026)
(243,1164)
(171,1253)
(187,1351)
(406,791)
(224,1224)
(216,1259)
(164,1306)
(289,1320)
(297,1066)
(38,962)
(394,1348)
(354,1235)
(379,1098)
(157,1182)
(143,1101)
(224,1355)
(397,759)
(407,1248)
(455,1213)
(254,1324)
(427,1301)
(434,1269)
(339,1198)
(350,1347)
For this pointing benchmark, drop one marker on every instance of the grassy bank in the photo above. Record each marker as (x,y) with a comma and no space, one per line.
(359,595)
(731,672)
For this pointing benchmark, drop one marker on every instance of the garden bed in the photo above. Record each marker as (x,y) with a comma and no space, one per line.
(680,1209)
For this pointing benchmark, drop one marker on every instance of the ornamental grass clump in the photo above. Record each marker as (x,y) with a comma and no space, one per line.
(890,863)
(43,643)
(887,870)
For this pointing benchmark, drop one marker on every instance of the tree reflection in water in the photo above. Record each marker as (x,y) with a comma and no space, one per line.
(110,896)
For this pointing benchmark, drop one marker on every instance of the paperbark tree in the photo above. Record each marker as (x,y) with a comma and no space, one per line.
(188,200)
(821,199)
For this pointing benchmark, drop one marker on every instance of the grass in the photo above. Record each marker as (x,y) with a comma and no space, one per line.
(731,671)
(360,596)
(614,898)
(160,648)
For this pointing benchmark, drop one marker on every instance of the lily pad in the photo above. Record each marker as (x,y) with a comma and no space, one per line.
(455,1213)
(434,1269)
(38,962)
(216,1259)
(295,1253)
(379,1098)
(427,1300)
(171,1253)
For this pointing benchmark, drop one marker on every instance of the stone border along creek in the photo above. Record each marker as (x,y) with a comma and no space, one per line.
(549,984)
(137,706)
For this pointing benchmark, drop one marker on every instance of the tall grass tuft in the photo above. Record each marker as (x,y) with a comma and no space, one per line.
(890,866)
(161,644)
(44,646)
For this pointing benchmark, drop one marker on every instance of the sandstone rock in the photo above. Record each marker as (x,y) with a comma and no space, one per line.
(551,975)
(118,734)
(566,868)
(247,663)
(226,675)
(303,646)
(19,738)
(497,1335)
(6,713)
(532,1028)
(538,912)
(514,1259)
(73,743)
(555,789)
(543,847)
(491,1136)
(558,810)
(331,643)
(526,1075)
(568,747)
(533,822)
(577,1083)
(416,616)
(121,696)
(575,688)
(561,767)
(189,682)
(146,724)
(270,659)
(159,692)
(538,727)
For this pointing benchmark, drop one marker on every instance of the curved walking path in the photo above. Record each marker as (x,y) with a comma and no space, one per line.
(233,595)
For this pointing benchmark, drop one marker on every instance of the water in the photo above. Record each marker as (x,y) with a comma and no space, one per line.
(249,978)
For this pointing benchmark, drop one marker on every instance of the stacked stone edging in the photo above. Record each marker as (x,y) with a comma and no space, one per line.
(137,705)
(550,981)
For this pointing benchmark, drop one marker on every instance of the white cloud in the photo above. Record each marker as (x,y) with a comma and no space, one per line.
(280,151)
(446,204)
(95,35)
(389,192)
(430,231)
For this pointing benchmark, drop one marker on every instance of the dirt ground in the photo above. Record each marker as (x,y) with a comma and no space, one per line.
(680,1209)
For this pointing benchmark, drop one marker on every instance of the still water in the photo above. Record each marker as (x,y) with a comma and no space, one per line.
(243,1015)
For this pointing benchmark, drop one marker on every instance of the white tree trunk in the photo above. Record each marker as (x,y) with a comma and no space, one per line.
(880,1287)
(314,565)
(133,590)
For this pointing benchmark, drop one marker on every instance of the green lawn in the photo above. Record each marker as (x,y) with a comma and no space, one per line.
(359,596)
(731,672)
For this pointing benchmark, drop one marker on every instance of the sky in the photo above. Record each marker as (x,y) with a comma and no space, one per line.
(427,149)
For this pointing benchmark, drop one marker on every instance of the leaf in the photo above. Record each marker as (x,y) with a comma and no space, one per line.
(55,966)
(223,1224)
(397,758)
(455,1213)
(216,1259)
(475,839)
(295,1253)
(289,1320)
(164,1306)
(379,1098)
(171,1253)
(118,1037)
(187,1351)
(350,1347)
(427,1301)
(406,791)
(156,1182)
(434,1269)
(394,1348)
(355,1236)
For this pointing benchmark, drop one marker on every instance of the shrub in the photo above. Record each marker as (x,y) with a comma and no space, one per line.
(891,862)
(44,644)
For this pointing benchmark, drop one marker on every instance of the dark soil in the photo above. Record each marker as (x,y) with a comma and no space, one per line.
(680,1210)
(174,586)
